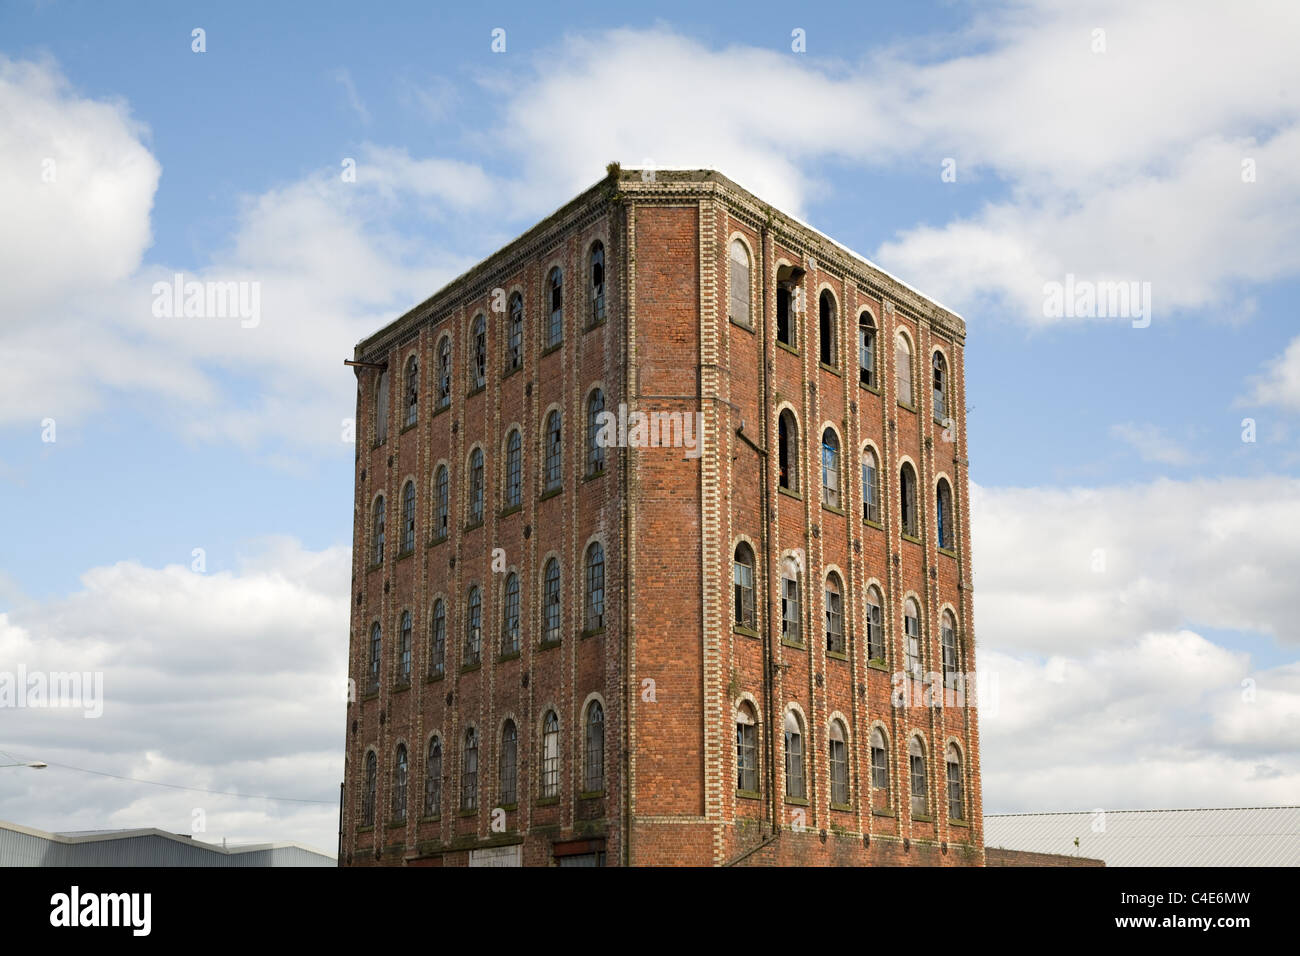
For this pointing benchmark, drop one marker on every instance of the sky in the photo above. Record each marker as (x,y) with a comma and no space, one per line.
(175,492)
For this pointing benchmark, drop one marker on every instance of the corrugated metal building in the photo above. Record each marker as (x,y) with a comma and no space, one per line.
(1237,836)
(24,846)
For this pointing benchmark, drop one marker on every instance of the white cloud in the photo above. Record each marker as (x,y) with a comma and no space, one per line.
(1152,443)
(226,681)
(1279,382)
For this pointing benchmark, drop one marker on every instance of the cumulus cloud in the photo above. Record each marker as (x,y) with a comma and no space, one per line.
(230,681)
(1279,381)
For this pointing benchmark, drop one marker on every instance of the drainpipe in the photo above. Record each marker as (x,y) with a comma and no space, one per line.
(769,655)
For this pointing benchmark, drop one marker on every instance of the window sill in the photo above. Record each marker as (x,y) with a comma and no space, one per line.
(591,795)
(798,801)
(550,494)
(787,346)
(594,475)
(398,688)
(910,408)
(877,664)
(873,524)
(511,371)
(402,555)
(828,368)
(468,668)
(595,325)
(922,818)
(473,525)
(882,812)
(959,823)
(911,537)
(512,510)
(407,428)
(366,828)
(552,348)
(396,825)
(442,409)
(838,655)
(468,813)
(433,819)
(832,509)
(547,802)
(746,631)
(792,494)
(434,678)
(591,632)
(476,390)
(873,389)
(370,695)
(748,327)
(437,541)
(748,795)
(375,566)
(797,645)
(379,444)
(548,645)
(510,807)
(842,807)
(949,552)
(508,656)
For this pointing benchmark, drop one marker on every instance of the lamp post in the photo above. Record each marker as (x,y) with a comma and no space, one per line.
(34,764)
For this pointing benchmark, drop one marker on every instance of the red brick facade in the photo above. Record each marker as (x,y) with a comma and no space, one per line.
(668,665)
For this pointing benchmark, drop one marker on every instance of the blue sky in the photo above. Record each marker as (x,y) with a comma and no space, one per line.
(1122,162)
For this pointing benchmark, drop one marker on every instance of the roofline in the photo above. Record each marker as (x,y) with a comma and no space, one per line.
(75,838)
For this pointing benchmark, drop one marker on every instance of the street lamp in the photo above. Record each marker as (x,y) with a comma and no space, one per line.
(34,764)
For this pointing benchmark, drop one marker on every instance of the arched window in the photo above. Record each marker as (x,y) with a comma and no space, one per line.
(552,460)
(399,785)
(440,498)
(378,531)
(916,765)
(794,781)
(912,637)
(907,500)
(826,327)
(475,501)
(594,780)
(875,626)
(870,485)
(740,295)
(550,755)
(469,771)
(742,577)
(412,390)
(478,352)
(597,283)
(368,795)
(433,780)
(880,763)
(555,323)
(514,470)
(866,350)
(438,640)
(903,368)
(381,408)
(746,749)
(474,626)
(509,770)
(956,805)
(510,615)
(839,763)
(408,517)
(595,616)
(444,372)
(404,650)
(515,333)
(791,627)
(376,645)
(551,602)
(834,615)
(940,388)
(787,440)
(595,446)
(831,468)
(948,641)
(943,514)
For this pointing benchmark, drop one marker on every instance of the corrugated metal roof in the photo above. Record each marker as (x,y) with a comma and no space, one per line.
(25,846)
(1231,836)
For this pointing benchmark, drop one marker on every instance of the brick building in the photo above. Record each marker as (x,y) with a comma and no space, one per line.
(661,552)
